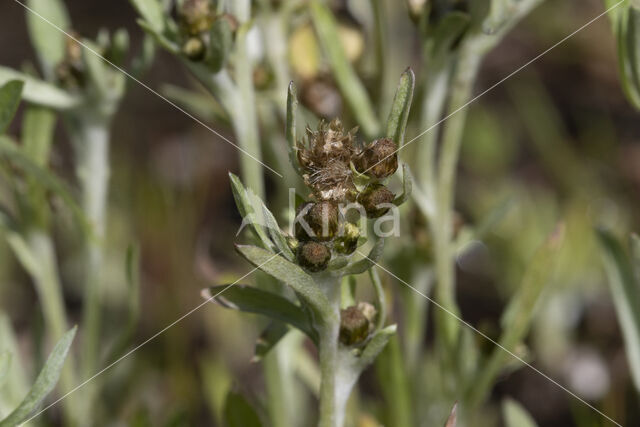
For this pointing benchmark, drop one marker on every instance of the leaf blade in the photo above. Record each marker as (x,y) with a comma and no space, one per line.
(39,92)
(10,94)
(48,41)
(399,114)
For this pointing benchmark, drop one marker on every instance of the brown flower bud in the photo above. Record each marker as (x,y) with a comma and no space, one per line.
(322,219)
(314,256)
(195,16)
(347,241)
(374,199)
(379,159)
(194,49)
(354,326)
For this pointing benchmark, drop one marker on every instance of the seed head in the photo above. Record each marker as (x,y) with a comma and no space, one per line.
(354,326)
(322,218)
(373,199)
(379,159)
(314,256)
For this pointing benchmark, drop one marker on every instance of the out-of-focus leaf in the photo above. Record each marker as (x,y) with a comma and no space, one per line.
(626,22)
(367,262)
(346,77)
(376,344)
(452,421)
(290,130)
(142,62)
(291,275)
(119,46)
(515,415)
(160,38)
(407,186)
(10,94)
(48,41)
(449,31)
(220,42)
(257,301)
(39,92)
(44,384)
(399,114)
(152,12)
(381,302)
(5,363)
(47,180)
(635,254)
(268,339)
(625,290)
(15,382)
(38,125)
(201,105)
(98,70)
(239,413)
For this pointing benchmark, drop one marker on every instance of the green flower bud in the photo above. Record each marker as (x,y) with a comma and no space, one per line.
(373,199)
(314,256)
(194,49)
(379,159)
(195,16)
(347,242)
(321,218)
(354,326)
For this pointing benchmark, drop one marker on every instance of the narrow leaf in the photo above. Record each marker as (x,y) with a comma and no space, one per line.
(291,275)
(350,85)
(625,290)
(375,346)
(48,41)
(239,413)
(152,12)
(276,234)
(449,31)
(268,339)
(367,262)
(407,186)
(220,42)
(515,415)
(397,121)
(9,100)
(5,363)
(248,205)
(290,130)
(38,125)
(40,92)
(253,300)
(44,384)
(452,421)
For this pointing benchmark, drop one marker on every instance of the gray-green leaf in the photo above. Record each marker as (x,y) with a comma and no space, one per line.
(239,413)
(152,12)
(10,94)
(220,41)
(625,290)
(291,275)
(5,363)
(290,130)
(48,41)
(515,415)
(257,301)
(407,186)
(377,343)
(268,339)
(397,121)
(40,92)
(44,384)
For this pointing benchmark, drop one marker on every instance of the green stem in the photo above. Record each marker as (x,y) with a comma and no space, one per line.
(461,87)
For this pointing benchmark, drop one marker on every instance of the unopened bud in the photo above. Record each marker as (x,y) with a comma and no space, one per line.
(347,242)
(195,16)
(321,218)
(375,199)
(194,49)
(354,326)
(314,256)
(379,159)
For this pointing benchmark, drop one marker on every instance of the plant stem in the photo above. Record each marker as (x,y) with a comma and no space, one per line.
(461,87)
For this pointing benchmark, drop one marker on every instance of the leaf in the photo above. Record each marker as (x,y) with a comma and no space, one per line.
(49,181)
(515,415)
(239,413)
(452,421)
(5,363)
(98,70)
(220,42)
(376,344)
(399,114)
(39,92)
(367,262)
(161,39)
(201,105)
(449,31)
(152,12)
(38,125)
(291,275)
(625,291)
(290,130)
(48,41)
(350,85)
(248,204)
(44,384)
(407,186)
(268,339)
(10,94)
(277,236)
(253,300)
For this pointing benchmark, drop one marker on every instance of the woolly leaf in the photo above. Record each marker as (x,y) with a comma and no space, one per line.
(399,115)
(40,92)
(44,21)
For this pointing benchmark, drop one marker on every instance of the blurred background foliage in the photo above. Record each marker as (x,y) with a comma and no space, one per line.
(556,143)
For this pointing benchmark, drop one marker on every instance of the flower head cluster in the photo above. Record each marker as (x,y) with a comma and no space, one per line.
(339,171)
